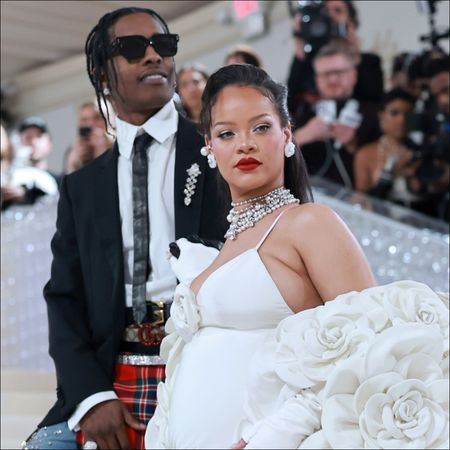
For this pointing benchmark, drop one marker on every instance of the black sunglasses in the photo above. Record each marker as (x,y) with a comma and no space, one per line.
(134,47)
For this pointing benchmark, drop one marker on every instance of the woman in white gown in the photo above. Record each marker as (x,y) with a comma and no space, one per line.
(282,255)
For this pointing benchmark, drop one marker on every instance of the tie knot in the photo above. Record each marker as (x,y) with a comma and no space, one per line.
(142,142)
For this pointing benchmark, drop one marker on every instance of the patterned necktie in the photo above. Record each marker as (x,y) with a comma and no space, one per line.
(141,228)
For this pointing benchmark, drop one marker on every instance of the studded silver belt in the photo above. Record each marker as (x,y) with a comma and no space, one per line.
(140,360)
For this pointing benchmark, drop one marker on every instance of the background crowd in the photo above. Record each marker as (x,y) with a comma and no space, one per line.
(385,135)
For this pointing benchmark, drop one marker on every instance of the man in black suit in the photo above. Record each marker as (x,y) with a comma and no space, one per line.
(105,353)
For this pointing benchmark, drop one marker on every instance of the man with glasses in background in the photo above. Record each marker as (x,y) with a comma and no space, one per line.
(111,284)
(331,130)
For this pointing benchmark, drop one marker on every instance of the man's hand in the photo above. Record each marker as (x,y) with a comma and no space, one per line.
(106,424)
(315,130)
(344,134)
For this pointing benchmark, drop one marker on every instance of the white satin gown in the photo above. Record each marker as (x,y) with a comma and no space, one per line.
(239,306)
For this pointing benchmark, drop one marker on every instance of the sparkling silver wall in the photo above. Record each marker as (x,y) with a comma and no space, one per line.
(394,249)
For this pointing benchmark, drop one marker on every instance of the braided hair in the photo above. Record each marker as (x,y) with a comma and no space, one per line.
(97,51)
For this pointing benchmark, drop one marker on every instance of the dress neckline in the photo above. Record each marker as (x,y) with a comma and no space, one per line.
(252,249)
(220,267)
(257,247)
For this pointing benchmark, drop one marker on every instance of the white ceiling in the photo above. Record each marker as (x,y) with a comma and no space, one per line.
(35,33)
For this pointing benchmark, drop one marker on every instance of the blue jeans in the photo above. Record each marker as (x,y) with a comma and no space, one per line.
(53,437)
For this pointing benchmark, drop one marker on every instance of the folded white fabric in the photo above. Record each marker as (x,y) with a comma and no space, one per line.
(193,260)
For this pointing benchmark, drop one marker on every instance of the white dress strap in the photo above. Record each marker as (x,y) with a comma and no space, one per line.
(269,230)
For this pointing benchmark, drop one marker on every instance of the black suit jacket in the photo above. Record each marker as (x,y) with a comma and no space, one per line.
(85,295)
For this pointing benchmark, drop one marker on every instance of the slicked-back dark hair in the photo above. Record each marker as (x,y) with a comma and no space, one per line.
(295,174)
(97,51)
(396,94)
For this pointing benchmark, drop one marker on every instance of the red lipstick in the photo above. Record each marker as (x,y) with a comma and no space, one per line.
(248,164)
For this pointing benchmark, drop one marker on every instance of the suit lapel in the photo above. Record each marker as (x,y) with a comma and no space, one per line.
(107,214)
(188,143)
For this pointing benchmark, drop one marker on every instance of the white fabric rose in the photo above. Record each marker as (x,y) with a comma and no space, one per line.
(376,360)
(394,397)
(312,342)
(183,323)
(184,312)
(413,302)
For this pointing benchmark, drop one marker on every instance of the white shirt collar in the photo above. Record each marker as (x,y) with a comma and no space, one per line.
(161,126)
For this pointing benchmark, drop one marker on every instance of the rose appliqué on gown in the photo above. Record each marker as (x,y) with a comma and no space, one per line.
(183,323)
(366,370)
(181,326)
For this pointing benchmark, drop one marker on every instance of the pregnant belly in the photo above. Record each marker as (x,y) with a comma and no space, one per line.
(209,388)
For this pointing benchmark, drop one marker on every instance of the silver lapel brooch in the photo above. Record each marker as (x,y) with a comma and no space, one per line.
(191,182)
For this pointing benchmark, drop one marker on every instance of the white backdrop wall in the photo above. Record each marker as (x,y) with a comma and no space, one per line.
(55,91)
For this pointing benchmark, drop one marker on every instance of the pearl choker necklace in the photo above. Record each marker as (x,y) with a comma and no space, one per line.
(258,207)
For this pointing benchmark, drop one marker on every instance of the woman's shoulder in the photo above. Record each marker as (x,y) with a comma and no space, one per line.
(307,214)
(367,150)
(314,220)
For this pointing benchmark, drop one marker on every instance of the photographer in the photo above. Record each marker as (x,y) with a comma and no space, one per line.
(337,18)
(432,176)
(91,140)
(383,168)
(330,130)
(28,177)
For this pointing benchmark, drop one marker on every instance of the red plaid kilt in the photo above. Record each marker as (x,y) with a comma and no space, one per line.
(136,387)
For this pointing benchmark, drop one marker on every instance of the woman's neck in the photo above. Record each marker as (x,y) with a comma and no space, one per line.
(253,196)
(392,140)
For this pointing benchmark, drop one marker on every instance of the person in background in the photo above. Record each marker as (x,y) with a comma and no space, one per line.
(243,54)
(29,177)
(301,81)
(36,139)
(191,81)
(6,156)
(91,139)
(383,168)
(330,131)
(111,285)
(399,71)
(439,86)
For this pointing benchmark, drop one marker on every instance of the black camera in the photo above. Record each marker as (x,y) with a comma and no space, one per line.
(317,28)
(84,132)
